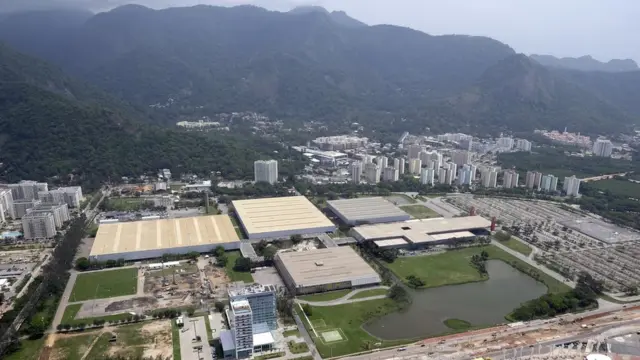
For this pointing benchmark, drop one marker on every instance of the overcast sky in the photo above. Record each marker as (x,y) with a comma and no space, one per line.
(605,29)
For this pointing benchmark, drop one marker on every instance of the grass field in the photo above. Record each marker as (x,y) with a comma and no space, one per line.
(368,293)
(29,350)
(73,348)
(457,324)
(420,211)
(407,198)
(347,320)
(125,203)
(618,187)
(269,356)
(130,341)
(297,347)
(449,268)
(105,284)
(453,267)
(69,316)
(236,275)
(327,296)
(175,341)
(518,246)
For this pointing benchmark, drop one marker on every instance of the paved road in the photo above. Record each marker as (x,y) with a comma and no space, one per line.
(346,299)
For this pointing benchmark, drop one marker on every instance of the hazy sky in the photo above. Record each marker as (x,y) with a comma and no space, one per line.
(604,29)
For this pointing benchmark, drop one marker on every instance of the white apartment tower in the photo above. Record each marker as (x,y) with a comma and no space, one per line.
(382,161)
(266,171)
(510,179)
(505,143)
(390,174)
(242,327)
(60,212)
(398,163)
(489,178)
(356,171)
(372,173)
(38,225)
(6,205)
(549,183)
(571,186)
(602,147)
(533,180)
(442,175)
(27,189)
(427,176)
(72,196)
(523,145)
(451,174)
(414,166)
(464,177)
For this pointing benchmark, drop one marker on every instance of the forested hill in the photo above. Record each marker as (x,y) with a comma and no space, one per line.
(313,64)
(48,133)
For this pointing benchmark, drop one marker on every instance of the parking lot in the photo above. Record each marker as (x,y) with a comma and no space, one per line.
(568,240)
(190,347)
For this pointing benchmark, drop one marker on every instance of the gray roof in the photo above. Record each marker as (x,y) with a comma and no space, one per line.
(325,266)
(226,339)
(362,209)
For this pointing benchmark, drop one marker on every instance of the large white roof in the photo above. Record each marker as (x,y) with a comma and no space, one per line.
(362,209)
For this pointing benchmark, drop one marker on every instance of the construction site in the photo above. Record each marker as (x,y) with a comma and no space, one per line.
(566,239)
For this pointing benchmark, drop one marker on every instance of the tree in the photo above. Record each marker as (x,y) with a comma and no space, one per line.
(296,239)
(269,253)
(218,251)
(222,260)
(193,255)
(502,236)
(82,264)
(308,310)
(242,264)
(219,305)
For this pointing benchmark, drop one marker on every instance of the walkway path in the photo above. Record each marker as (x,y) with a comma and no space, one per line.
(347,298)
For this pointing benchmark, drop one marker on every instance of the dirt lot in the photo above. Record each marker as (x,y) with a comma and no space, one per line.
(218,279)
(186,278)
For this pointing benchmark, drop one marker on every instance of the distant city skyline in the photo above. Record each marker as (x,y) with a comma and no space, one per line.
(568,28)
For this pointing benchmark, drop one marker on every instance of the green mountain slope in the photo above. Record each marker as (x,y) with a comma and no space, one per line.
(48,132)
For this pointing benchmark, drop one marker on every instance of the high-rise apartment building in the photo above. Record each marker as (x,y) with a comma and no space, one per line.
(72,196)
(466,144)
(38,225)
(489,177)
(266,171)
(571,186)
(442,175)
(6,205)
(372,173)
(523,145)
(390,174)
(398,163)
(549,183)
(60,212)
(414,166)
(27,189)
(413,151)
(510,179)
(252,312)
(382,161)
(22,207)
(427,176)
(505,143)
(602,147)
(356,171)
(464,176)
(473,170)
(453,168)
(533,180)
(461,157)
(448,179)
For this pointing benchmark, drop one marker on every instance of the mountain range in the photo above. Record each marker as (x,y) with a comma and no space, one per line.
(586,63)
(307,64)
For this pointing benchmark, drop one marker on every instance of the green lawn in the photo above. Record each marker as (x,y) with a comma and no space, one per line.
(451,267)
(349,318)
(73,348)
(368,293)
(295,332)
(618,187)
(420,211)
(298,347)
(457,324)
(125,203)
(175,340)
(105,284)
(517,245)
(236,275)
(269,356)
(327,296)
(69,316)
(29,350)
(406,197)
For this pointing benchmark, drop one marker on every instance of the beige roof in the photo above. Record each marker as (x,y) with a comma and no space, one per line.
(418,231)
(325,266)
(366,208)
(279,214)
(163,234)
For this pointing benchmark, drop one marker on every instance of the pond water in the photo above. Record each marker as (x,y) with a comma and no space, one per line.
(480,303)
